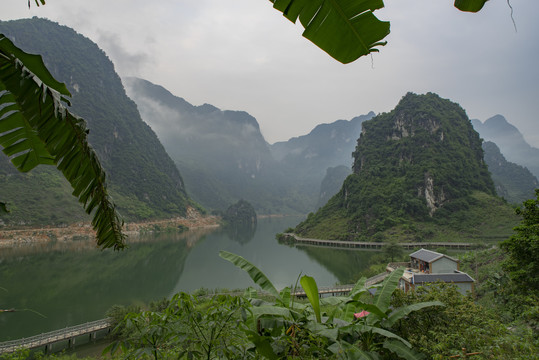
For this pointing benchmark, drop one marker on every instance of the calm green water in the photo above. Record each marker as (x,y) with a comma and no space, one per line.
(74,283)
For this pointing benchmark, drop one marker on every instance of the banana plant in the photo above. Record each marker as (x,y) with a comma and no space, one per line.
(36,128)
(274,328)
(343,334)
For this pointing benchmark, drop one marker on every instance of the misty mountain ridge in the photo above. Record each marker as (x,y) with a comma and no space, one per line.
(510,142)
(222,154)
(326,141)
(224,157)
(513,182)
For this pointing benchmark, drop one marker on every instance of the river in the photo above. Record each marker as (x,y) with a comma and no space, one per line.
(61,285)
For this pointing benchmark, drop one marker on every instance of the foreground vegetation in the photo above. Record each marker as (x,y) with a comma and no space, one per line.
(499,321)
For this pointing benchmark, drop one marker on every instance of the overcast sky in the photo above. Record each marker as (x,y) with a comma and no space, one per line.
(243,55)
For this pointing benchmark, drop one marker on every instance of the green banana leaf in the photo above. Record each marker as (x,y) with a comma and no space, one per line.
(359,288)
(271,310)
(256,275)
(361,328)
(345,29)
(311,290)
(470,5)
(36,128)
(401,312)
(382,298)
(402,350)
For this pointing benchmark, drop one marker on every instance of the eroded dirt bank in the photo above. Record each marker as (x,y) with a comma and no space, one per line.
(21,237)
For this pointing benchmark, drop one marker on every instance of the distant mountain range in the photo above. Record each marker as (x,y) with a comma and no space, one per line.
(221,154)
(224,157)
(513,182)
(510,142)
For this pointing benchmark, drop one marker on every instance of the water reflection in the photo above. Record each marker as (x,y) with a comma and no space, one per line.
(242,233)
(72,283)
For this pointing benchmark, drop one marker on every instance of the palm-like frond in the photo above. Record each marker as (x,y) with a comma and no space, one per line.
(256,275)
(345,29)
(36,128)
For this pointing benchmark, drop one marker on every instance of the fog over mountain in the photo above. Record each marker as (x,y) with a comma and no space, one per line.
(513,182)
(510,141)
(224,157)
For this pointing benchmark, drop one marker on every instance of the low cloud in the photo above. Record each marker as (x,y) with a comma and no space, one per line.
(126,63)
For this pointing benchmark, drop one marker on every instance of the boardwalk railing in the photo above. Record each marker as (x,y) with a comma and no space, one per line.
(341,289)
(362,245)
(49,338)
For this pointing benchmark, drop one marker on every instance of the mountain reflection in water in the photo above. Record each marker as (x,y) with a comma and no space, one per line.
(73,283)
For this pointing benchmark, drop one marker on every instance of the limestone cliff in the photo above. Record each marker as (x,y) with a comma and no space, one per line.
(421,162)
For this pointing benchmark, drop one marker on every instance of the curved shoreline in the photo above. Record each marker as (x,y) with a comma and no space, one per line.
(10,238)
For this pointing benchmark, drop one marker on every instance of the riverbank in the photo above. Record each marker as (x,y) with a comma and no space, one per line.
(21,237)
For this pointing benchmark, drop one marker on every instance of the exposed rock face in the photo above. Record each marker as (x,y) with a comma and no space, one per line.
(434,201)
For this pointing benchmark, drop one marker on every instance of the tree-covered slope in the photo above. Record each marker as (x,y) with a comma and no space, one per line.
(421,163)
(513,182)
(144,181)
(332,182)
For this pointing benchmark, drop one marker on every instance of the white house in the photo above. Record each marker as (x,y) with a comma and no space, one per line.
(428,266)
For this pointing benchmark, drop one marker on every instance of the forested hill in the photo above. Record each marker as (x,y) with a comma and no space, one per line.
(421,163)
(144,181)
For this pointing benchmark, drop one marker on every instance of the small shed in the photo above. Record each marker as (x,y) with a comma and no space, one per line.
(432,262)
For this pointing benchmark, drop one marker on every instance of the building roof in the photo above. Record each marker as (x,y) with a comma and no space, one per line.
(457,277)
(429,256)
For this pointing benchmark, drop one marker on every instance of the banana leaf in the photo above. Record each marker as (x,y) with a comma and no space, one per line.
(256,275)
(345,29)
(470,5)
(311,290)
(36,128)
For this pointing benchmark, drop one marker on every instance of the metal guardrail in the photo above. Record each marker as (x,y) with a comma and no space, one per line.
(341,244)
(55,336)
